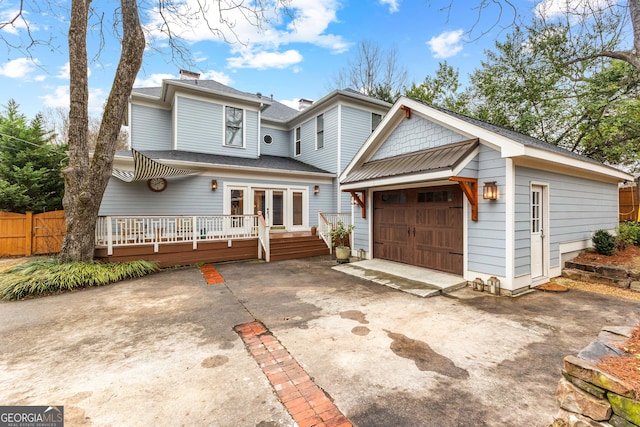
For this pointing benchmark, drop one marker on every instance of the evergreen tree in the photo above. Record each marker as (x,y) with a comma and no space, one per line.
(30,166)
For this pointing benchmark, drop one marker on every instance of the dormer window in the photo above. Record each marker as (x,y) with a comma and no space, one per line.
(233,133)
(320,131)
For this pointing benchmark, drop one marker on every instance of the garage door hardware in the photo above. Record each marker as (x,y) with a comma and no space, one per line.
(455,253)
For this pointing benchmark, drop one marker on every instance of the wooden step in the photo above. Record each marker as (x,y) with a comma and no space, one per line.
(283,248)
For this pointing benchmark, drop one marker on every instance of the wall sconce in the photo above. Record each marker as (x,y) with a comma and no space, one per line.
(490,191)
(316,189)
(214,185)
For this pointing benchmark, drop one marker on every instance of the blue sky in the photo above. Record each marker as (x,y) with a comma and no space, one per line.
(290,60)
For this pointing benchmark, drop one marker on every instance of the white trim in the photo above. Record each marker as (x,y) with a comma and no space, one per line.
(508,147)
(174,119)
(510,191)
(576,245)
(339,160)
(465,237)
(399,180)
(258,136)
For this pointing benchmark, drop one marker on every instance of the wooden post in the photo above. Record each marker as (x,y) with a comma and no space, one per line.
(28,233)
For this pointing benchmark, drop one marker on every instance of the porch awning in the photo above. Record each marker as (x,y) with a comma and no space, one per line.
(145,168)
(429,160)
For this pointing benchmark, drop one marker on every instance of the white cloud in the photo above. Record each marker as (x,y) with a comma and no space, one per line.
(394,5)
(223,78)
(293,103)
(18,24)
(446,44)
(555,8)
(307,22)
(63,71)
(60,98)
(265,60)
(154,80)
(18,68)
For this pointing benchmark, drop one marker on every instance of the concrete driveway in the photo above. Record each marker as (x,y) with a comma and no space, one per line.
(161,350)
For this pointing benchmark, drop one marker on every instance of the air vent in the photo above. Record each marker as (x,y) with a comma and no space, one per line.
(268,139)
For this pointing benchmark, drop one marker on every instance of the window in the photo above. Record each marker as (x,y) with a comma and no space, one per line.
(435,196)
(297,142)
(375,121)
(233,121)
(320,131)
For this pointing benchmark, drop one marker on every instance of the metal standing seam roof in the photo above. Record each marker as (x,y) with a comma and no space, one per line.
(429,160)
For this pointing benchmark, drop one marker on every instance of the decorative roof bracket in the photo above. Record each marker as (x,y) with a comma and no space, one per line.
(469,187)
(359,196)
(407,111)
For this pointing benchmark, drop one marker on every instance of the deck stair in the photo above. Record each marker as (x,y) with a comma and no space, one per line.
(296,245)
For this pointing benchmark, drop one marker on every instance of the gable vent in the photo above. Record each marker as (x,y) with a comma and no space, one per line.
(267,139)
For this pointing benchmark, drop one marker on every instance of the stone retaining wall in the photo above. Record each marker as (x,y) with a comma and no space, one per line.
(614,276)
(589,396)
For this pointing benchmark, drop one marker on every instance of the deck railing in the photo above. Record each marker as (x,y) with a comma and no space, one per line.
(326,223)
(263,238)
(113,231)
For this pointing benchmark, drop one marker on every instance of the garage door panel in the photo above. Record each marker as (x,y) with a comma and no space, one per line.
(421,227)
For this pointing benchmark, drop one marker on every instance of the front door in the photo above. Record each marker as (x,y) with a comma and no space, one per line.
(537,232)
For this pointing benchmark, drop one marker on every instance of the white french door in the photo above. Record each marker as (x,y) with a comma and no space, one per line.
(281,207)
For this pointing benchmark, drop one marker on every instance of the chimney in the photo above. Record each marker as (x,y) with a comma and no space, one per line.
(304,103)
(189,75)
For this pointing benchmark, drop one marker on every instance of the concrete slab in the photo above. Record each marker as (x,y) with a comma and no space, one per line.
(414,280)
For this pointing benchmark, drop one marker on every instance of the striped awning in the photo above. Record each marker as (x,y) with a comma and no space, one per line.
(145,168)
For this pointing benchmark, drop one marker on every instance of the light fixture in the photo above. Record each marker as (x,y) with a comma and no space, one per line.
(316,189)
(214,185)
(490,191)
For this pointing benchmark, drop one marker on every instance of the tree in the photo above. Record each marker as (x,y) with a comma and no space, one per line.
(589,107)
(586,20)
(372,71)
(30,166)
(441,90)
(86,178)
(57,121)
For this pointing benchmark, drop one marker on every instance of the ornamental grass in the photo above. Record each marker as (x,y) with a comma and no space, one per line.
(51,276)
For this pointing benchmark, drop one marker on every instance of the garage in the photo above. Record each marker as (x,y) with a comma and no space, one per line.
(420,226)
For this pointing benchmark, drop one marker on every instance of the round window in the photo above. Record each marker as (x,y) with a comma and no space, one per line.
(268,139)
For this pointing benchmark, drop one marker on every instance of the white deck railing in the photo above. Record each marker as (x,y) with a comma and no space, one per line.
(263,238)
(326,223)
(114,231)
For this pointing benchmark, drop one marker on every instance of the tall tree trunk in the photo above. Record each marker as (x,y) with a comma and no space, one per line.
(86,181)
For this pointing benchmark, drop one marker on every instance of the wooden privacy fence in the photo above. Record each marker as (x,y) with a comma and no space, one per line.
(628,199)
(28,234)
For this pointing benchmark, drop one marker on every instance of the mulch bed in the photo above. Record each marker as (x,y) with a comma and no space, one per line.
(628,257)
(626,367)
(552,287)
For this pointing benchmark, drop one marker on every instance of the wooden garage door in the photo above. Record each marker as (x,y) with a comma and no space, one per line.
(421,227)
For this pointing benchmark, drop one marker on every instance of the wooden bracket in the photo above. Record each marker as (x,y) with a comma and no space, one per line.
(407,111)
(469,187)
(360,198)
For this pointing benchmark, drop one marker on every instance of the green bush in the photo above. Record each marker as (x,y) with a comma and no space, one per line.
(51,276)
(628,233)
(604,242)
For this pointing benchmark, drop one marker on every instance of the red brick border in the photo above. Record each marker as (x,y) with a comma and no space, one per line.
(307,403)
(211,275)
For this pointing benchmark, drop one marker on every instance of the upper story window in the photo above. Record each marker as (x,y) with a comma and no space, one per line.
(320,131)
(233,127)
(297,141)
(375,121)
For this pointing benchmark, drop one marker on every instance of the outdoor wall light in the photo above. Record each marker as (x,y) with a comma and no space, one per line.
(490,191)
(214,185)
(316,189)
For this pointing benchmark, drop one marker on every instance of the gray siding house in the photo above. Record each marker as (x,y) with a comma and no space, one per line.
(443,191)
(246,153)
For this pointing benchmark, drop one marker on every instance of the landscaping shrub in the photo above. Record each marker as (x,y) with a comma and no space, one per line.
(604,242)
(628,233)
(52,276)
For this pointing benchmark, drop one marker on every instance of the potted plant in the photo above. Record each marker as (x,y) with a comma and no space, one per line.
(339,234)
(314,230)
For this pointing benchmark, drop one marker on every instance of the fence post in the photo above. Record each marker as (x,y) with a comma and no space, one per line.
(28,233)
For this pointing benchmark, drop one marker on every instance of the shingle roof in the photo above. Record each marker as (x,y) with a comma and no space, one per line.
(264,162)
(429,160)
(513,135)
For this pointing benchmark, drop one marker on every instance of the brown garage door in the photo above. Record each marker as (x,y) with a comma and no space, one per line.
(420,226)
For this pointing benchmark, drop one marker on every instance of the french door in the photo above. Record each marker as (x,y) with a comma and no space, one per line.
(283,208)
